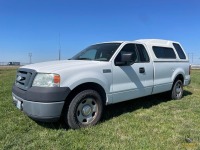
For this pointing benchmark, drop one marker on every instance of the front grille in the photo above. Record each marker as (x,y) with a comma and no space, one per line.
(24,78)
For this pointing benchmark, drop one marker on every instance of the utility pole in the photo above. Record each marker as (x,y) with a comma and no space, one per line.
(191,56)
(30,55)
(59,50)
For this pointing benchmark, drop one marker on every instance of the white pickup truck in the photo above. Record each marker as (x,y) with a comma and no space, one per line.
(101,74)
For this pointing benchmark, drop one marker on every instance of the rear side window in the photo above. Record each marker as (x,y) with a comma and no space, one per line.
(179,50)
(164,52)
(142,53)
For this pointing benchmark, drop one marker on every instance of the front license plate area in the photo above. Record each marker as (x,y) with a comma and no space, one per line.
(19,105)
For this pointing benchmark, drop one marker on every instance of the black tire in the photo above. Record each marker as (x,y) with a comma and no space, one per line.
(84,110)
(177,90)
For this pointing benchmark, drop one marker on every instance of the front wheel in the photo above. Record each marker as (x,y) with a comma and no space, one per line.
(177,90)
(84,110)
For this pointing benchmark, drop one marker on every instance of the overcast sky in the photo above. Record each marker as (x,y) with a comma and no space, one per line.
(33,26)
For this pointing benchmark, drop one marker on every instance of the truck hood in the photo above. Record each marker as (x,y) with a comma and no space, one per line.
(55,66)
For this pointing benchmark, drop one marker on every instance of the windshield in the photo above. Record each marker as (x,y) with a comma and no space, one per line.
(98,52)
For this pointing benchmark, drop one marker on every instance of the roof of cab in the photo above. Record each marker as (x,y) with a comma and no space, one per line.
(155,41)
(146,41)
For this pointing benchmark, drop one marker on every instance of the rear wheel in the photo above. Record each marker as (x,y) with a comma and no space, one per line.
(177,90)
(84,110)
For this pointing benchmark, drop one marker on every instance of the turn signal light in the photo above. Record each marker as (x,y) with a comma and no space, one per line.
(56,79)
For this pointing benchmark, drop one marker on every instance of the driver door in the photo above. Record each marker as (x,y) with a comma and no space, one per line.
(129,81)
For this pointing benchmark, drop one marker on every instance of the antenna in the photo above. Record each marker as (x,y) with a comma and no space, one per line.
(59,50)
(30,55)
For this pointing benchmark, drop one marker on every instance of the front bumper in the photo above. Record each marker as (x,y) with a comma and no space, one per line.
(42,104)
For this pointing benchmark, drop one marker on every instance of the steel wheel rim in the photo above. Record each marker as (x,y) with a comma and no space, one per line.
(178,89)
(87,111)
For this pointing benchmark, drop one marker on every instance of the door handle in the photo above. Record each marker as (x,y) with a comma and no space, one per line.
(142,70)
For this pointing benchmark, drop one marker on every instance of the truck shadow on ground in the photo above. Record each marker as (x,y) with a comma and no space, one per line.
(118,109)
(133,105)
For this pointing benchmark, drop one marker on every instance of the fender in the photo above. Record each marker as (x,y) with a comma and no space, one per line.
(178,71)
(84,77)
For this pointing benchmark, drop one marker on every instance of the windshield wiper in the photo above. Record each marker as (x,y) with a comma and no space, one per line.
(84,59)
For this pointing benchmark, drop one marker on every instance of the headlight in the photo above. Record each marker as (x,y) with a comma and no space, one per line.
(46,80)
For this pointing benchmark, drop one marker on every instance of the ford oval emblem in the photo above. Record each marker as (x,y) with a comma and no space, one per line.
(19,78)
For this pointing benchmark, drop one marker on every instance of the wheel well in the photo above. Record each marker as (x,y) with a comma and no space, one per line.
(179,77)
(85,86)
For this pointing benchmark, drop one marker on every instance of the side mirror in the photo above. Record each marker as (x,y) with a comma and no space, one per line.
(126,59)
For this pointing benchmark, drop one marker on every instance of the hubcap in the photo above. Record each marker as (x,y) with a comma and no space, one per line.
(87,111)
(178,89)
